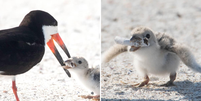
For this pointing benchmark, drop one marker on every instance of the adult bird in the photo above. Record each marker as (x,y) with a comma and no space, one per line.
(23,47)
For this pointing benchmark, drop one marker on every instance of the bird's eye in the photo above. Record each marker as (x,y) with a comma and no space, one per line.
(79,62)
(148,36)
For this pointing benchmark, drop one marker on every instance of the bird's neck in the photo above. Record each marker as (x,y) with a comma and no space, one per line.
(148,51)
(78,73)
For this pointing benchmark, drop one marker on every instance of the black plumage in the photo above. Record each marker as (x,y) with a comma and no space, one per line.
(23,47)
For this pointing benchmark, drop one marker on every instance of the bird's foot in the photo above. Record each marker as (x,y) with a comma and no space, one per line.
(169,83)
(95,98)
(140,84)
(143,83)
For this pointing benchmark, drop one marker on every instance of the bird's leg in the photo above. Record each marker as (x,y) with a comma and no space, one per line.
(14,89)
(172,78)
(144,82)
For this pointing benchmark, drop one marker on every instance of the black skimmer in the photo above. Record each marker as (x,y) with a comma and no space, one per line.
(87,77)
(23,47)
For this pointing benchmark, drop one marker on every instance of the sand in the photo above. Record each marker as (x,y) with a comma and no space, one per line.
(79,27)
(179,19)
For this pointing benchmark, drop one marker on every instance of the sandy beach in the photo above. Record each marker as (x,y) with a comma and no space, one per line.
(179,19)
(79,27)
(85,35)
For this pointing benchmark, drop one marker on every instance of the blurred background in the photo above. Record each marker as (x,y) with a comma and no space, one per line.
(79,27)
(180,19)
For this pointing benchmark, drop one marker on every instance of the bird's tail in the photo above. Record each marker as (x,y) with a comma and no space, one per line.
(186,56)
(112,52)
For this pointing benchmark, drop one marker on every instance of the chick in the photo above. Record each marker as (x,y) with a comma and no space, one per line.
(89,78)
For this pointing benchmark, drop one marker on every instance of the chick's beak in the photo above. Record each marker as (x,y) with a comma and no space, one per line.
(68,64)
(54,50)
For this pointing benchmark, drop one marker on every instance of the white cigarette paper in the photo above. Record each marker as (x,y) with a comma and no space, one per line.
(126,42)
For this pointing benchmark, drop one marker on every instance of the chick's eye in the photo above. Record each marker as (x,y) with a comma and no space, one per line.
(79,62)
(148,36)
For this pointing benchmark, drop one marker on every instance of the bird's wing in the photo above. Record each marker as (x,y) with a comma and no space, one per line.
(17,34)
(19,51)
(165,42)
(94,74)
(97,74)
(182,51)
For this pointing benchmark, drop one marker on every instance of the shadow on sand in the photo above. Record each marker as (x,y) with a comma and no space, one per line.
(182,87)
